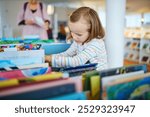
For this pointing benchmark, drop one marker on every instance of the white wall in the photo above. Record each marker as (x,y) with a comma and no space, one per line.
(12,9)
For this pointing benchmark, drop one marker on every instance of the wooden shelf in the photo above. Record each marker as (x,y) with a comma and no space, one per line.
(129,62)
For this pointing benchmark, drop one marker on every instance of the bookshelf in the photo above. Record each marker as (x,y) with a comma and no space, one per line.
(132,44)
(137,46)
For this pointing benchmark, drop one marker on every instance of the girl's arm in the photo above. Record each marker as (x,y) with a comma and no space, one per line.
(90,52)
(68,53)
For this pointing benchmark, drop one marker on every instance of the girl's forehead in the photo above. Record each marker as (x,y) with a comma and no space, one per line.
(78,26)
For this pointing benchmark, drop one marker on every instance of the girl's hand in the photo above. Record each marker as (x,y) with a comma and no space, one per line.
(48,58)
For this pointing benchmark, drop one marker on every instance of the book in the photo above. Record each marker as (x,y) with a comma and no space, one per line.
(18,58)
(107,79)
(42,93)
(24,67)
(55,48)
(122,70)
(87,76)
(19,47)
(78,70)
(39,21)
(95,87)
(28,90)
(12,82)
(25,73)
(20,62)
(136,87)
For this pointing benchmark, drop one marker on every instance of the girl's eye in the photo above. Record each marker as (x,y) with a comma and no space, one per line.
(79,34)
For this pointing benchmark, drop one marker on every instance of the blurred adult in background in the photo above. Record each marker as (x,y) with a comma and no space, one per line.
(62,33)
(34,19)
(49,31)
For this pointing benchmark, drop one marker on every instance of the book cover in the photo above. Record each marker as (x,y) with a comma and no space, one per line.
(18,58)
(54,48)
(130,88)
(95,87)
(12,82)
(24,67)
(87,76)
(25,73)
(106,80)
(122,70)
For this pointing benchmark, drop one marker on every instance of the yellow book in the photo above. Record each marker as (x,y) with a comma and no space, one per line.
(7,83)
(95,87)
(52,75)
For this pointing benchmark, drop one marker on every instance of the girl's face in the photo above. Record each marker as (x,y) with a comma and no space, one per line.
(79,30)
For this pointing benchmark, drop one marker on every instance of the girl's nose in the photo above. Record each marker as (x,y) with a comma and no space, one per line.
(73,35)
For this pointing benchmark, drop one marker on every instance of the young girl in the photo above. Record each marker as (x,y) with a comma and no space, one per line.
(88,46)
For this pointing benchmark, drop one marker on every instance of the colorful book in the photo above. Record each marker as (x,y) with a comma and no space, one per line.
(54,48)
(18,58)
(106,80)
(95,87)
(20,47)
(24,73)
(42,93)
(21,62)
(24,67)
(137,87)
(28,91)
(78,70)
(87,77)
(122,70)
(12,82)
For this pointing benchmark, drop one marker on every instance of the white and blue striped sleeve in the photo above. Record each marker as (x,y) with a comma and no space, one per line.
(70,61)
(71,51)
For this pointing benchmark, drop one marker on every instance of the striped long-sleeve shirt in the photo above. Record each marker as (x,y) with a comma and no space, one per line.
(93,52)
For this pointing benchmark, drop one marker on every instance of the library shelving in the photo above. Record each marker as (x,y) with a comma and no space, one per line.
(137,45)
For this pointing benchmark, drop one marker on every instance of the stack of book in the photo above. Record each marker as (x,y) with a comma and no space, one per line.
(130,82)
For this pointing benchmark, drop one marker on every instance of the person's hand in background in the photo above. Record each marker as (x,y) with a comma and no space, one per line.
(29,22)
(46,25)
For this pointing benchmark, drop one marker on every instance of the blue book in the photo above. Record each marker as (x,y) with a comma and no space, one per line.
(18,58)
(72,96)
(78,70)
(55,48)
(123,70)
(133,89)
(20,62)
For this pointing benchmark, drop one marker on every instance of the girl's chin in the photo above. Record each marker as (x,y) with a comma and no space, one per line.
(78,42)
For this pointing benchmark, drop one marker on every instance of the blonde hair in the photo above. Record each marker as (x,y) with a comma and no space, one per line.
(96,30)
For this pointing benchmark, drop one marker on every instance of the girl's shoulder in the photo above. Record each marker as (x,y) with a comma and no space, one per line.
(96,41)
